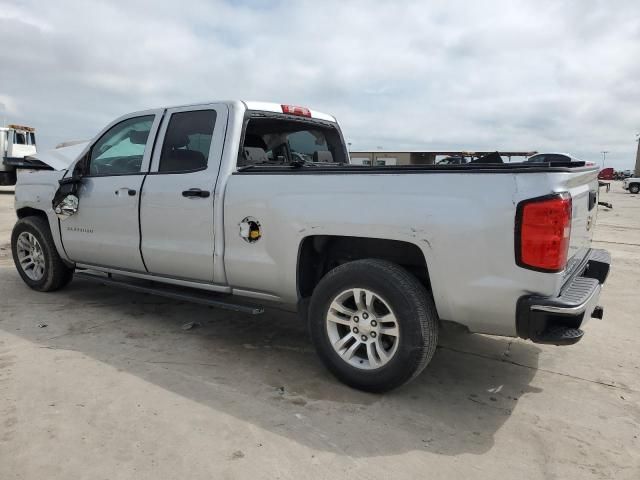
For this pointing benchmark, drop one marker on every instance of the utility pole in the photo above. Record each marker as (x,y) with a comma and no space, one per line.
(604,157)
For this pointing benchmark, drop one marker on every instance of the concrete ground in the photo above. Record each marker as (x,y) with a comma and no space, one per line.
(114,388)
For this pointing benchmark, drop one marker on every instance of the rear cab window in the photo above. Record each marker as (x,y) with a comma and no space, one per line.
(274,139)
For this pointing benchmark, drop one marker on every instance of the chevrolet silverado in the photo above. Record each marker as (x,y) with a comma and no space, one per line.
(248,204)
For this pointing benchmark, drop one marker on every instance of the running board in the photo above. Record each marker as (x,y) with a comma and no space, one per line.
(169,291)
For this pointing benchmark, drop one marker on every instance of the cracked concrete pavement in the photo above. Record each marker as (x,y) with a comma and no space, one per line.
(114,388)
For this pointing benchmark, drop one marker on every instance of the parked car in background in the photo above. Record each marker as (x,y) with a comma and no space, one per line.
(453,160)
(554,158)
(622,174)
(632,185)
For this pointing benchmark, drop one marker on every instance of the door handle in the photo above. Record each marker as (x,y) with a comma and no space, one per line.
(195,192)
(130,191)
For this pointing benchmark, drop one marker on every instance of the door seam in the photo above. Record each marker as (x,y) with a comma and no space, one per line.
(153,148)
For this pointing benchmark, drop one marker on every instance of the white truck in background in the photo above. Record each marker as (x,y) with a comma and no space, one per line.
(16,143)
(632,185)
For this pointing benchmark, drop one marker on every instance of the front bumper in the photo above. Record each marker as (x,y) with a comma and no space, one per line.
(557,320)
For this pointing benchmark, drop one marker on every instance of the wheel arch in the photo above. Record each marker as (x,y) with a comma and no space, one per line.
(318,254)
(31,212)
(42,254)
(54,227)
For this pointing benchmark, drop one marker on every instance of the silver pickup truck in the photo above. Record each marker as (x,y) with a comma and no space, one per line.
(245,204)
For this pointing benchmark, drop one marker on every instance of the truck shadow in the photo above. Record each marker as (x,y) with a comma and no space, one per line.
(263,370)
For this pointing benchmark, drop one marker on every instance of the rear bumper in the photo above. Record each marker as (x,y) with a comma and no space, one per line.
(557,320)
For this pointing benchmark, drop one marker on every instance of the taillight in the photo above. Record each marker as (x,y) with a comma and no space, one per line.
(293,110)
(543,230)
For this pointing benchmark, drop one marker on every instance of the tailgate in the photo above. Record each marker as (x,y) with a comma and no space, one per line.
(583,188)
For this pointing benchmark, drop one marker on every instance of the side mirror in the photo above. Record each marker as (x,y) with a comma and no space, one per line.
(65,201)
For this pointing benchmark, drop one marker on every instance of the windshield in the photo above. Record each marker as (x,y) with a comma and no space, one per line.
(20,138)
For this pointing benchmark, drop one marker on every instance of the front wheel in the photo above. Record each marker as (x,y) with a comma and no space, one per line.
(373,324)
(36,257)
(634,188)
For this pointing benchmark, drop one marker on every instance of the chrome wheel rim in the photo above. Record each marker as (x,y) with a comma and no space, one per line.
(362,329)
(30,256)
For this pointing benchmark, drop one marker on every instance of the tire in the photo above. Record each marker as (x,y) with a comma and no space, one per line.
(334,311)
(634,188)
(52,274)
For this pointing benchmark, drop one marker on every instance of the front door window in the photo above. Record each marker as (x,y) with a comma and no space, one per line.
(121,149)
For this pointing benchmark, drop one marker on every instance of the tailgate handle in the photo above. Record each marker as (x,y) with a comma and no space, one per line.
(593,199)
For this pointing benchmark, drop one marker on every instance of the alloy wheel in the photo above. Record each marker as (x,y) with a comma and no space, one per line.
(31,256)
(362,328)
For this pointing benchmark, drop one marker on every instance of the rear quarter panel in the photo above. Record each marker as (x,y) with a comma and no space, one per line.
(463,223)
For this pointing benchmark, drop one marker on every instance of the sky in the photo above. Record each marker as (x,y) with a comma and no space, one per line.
(545,75)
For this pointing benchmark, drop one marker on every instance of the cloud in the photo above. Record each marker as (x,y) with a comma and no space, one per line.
(544,75)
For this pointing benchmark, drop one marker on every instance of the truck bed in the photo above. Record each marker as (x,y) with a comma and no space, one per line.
(463,224)
(514,167)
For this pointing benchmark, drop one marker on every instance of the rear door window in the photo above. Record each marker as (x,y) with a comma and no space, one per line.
(187,142)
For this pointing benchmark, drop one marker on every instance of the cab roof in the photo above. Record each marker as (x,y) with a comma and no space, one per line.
(289,109)
(272,107)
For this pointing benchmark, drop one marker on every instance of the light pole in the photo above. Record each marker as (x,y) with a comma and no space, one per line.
(604,157)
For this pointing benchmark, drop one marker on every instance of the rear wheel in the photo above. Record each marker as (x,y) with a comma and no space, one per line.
(634,188)
(373,324)
(36,257)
